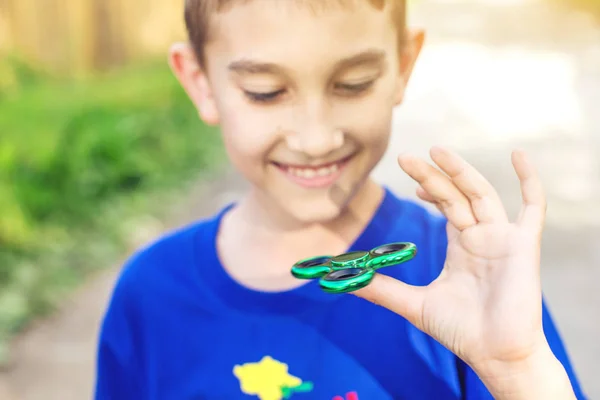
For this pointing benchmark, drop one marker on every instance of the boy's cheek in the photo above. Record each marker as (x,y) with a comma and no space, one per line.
(370,128)
(248,132)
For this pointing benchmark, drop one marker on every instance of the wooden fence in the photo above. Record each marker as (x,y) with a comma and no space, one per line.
(76,36)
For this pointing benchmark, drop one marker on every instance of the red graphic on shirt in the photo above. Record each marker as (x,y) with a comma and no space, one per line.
(349,396)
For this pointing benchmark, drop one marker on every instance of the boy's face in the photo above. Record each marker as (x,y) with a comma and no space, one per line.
(304,100)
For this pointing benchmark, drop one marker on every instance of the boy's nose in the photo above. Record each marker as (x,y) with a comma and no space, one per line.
(316,143)
(316,136)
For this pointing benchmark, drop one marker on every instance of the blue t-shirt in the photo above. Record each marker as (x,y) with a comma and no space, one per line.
(179,328)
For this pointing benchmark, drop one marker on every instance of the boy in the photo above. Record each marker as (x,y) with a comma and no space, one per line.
(303,92)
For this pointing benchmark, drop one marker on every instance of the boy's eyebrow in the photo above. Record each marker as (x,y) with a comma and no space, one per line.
(247,66)
(370,56)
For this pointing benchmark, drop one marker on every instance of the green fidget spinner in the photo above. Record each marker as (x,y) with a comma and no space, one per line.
(352,271)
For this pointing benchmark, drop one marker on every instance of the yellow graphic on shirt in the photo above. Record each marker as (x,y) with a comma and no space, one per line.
(269,380)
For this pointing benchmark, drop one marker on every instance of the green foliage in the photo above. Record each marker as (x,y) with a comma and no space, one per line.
(78,161)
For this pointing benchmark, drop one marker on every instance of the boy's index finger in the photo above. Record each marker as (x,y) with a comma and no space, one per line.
(451,201)
(484,199)
(463,174)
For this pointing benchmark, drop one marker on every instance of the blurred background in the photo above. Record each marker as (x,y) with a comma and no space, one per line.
(101,151)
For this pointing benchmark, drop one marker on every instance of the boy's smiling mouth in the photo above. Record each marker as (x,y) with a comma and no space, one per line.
(314,176)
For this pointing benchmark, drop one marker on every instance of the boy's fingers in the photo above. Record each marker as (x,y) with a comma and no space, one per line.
(533,211)
(485,202)
(439,190)
(423,195)
(396,296)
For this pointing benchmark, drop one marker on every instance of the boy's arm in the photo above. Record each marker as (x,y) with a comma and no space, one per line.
(486,304)
(475,389)
(116,376)
(559,350)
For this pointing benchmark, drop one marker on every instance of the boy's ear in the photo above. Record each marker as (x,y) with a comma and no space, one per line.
(194,80)
(408,58)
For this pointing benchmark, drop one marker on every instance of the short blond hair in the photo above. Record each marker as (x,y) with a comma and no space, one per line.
(198,16)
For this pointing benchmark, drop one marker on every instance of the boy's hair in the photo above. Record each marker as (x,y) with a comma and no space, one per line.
(198,14)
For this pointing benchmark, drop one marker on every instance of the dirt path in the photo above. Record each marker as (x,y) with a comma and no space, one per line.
(55,359)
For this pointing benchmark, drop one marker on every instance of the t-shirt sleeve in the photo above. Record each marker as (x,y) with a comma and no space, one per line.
(116,372)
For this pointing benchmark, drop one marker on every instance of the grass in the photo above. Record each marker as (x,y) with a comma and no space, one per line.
(80,162)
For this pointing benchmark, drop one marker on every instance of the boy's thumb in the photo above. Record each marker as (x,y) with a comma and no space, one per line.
(399,297)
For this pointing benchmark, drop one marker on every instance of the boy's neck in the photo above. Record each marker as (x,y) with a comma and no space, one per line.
(261,237)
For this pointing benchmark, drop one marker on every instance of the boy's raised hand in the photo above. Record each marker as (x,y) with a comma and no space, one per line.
(486,305)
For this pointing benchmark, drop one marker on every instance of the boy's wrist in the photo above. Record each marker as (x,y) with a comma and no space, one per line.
(541,376)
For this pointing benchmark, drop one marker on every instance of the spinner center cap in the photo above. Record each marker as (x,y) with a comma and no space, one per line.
(355,259)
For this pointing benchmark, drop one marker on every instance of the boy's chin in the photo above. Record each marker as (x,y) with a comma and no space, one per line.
(314,212)
(319,207)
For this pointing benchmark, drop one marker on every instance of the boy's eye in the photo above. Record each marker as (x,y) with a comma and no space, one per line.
(263,97)
(353,88)
(346,89)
